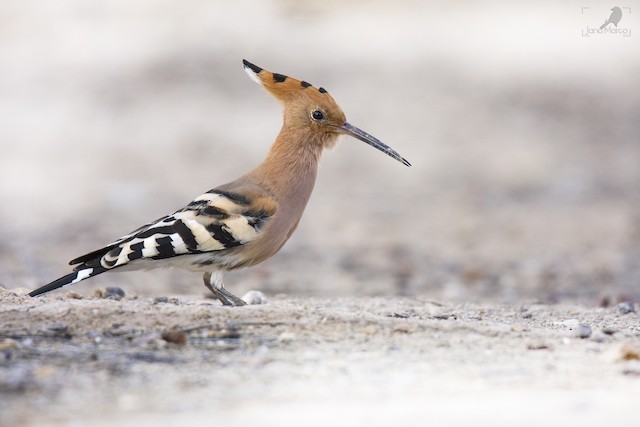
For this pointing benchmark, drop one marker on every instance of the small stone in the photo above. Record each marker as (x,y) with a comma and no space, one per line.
(60,330)
(254,298)
(160,300)
(445,316)
(517,327)
(605,301)
(607,330)
(404,329)
(400,315)
(73,295)
(634,372)
(583,331)
(538,346)
(626,307)
(175,336)
(58,327)
(629,351)
(231,332)
(95,337)
(113,292)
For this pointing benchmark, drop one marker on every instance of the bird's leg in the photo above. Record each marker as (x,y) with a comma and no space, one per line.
(213,282)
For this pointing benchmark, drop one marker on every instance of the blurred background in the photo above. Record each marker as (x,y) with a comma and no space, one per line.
(524,137)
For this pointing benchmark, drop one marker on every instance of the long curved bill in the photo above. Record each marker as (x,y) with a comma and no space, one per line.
(349,129)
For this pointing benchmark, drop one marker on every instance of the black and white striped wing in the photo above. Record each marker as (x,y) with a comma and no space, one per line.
(214,221)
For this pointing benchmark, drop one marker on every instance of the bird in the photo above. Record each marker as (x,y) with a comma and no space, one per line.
(614,18)
(243,222)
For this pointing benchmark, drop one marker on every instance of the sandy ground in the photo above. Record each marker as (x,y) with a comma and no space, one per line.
(452,291)
(316,361)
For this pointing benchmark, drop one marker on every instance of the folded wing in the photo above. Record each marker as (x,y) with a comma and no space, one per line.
(215,221)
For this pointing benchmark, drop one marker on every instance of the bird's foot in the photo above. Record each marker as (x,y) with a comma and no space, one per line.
(213,282)
(226,297)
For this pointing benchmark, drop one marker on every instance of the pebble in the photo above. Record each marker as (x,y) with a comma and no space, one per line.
(538,346)
(517,327)
(400,315)
(445,316)
(635,372)
(254,298)
(60,330)
(73,295)
(583,331)
(95,336)
(175,336)
(167,300)
(113,292)
(626,307)
(404,329)
(629,351)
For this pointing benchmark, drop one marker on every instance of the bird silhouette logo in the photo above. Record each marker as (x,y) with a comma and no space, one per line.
(616,16)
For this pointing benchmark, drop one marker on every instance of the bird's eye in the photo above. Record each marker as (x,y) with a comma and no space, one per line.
(317,115)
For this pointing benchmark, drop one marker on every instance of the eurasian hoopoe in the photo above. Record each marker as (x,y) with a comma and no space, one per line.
(246,221)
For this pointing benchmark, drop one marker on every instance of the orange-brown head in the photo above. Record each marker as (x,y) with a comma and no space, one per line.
(311,112)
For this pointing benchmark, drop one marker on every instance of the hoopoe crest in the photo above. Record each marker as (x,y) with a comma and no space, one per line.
(243,222)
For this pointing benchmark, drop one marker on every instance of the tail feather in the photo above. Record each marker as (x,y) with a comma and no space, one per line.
(69,279)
